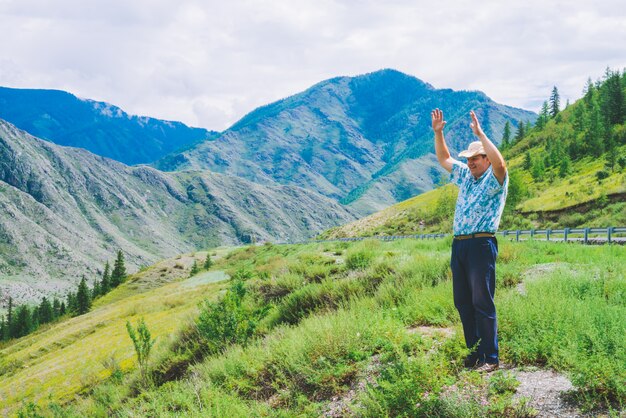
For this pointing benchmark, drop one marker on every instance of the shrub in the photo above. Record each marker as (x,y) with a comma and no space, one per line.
(360,256)
(143,342)
(228,321)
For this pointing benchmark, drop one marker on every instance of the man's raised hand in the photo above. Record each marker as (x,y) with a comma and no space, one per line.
(437,119)
(475,125)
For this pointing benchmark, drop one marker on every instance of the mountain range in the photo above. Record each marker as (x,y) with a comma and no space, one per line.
(280,173)
(364,140)
(66,211)
(99,127)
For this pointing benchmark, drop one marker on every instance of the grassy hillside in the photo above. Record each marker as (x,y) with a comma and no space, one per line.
(61,360)
(361,329)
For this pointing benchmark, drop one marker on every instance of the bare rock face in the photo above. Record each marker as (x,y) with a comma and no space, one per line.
(66,211)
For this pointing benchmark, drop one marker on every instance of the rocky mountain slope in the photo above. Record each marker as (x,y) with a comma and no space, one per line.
(66,211)
(101,128)
(363,140)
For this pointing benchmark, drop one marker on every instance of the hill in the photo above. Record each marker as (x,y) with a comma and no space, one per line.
(99,127)
(569,170)
(66,211)
(332,329)
(362,140)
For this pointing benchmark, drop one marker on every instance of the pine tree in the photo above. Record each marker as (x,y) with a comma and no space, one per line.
(588,92)
(208,263)
(612,99)
(520,134)
(3,329)
(538,169)
(194,268)
(565,167)
(555,102)
(119,270)
(593,134)
(23,323)
(105,284)
(45,311)
(97,289)
(9,324)
(72,305)
(56,308)
(62,309)
(83,299)
(528,161)
(544,116)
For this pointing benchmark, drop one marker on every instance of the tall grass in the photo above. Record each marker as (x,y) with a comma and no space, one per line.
(341,321)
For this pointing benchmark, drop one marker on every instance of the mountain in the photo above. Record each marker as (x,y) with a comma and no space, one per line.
(364,140)
(67,211)
(99,127)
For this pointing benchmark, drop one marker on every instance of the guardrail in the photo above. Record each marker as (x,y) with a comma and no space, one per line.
(610,235)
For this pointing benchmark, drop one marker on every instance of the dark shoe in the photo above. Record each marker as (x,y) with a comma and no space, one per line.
(471,361)
(486,367)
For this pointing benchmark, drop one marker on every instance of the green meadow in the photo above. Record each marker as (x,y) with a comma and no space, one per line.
(339,329)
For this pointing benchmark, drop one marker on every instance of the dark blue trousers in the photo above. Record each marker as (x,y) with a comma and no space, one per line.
(473,265)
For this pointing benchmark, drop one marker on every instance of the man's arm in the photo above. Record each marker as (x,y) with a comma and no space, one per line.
(496,159)
(441,149)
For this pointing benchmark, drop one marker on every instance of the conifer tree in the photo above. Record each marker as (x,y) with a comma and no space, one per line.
(565,167)
(62,309)
(612,101)
(208,263)
(97,289)
(594,131)
(105,283)
(45,312)
(71,306)
(506,141)
(555,102)
(83,299)
(23,323)
(194,268)
(588,92)
(519,135)
(544,116)
(3,329)
(9,324)
(56,308)
(528,161)
(119,270)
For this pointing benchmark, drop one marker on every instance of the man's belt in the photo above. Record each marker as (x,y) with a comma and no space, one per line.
(476,235)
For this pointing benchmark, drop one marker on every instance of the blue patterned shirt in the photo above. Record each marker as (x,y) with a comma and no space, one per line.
(480,202)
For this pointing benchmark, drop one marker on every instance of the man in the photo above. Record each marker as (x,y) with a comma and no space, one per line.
(483,184)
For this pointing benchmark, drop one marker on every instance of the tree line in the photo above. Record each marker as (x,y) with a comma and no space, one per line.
(593,126)
(22,320)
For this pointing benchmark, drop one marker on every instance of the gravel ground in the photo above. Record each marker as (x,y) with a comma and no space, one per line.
(544,389)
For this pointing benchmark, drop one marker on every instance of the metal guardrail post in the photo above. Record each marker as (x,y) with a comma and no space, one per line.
(532,233)
(609,233)
(565,232)
(586,239)
(517,235)
(548,234)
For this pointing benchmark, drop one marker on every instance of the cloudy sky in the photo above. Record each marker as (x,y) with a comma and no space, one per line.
(207,63)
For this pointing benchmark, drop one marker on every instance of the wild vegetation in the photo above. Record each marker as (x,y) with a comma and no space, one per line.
(310,329)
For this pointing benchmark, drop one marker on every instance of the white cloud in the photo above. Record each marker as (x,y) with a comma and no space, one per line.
(209,63)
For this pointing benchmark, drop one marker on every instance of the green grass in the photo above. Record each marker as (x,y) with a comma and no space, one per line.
(339,316)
